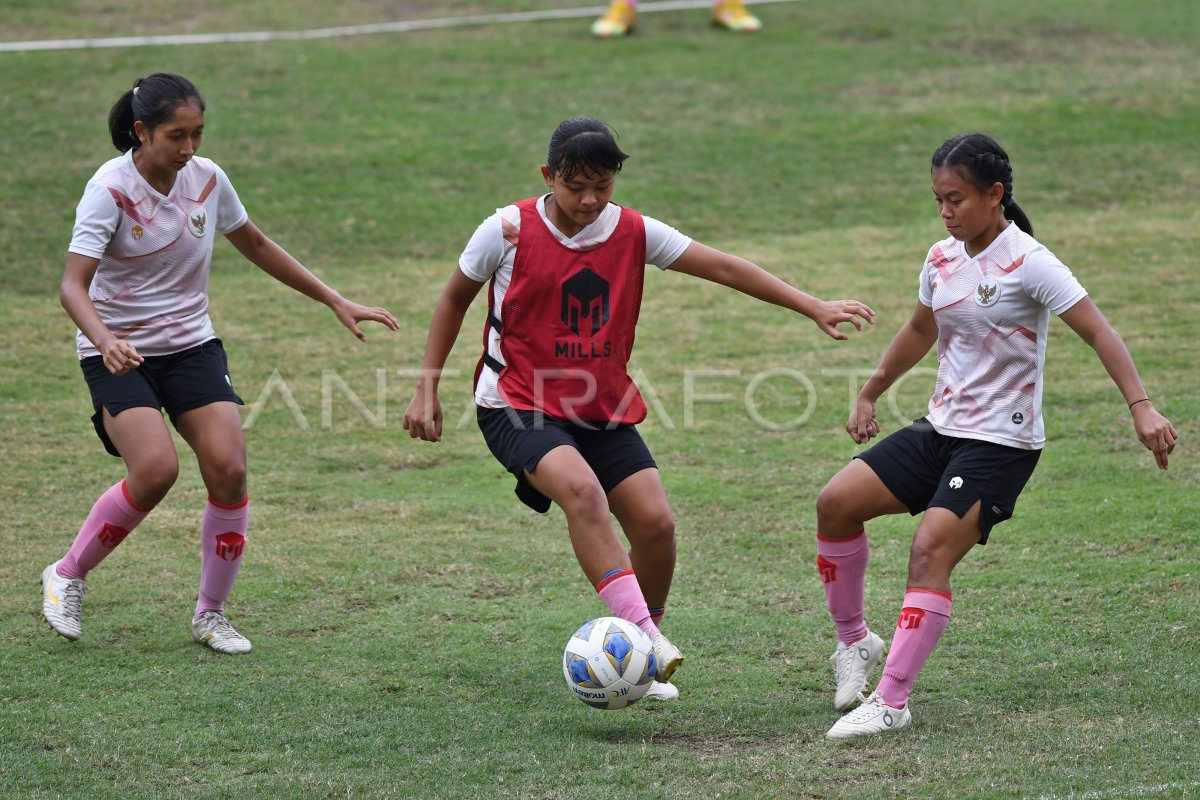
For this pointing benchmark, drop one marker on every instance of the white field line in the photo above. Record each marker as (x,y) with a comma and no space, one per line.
(402,26)
(1161,790)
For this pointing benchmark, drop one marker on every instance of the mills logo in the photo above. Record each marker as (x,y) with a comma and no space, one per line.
(585,295)
(230,545)
(585,305)
(910,618)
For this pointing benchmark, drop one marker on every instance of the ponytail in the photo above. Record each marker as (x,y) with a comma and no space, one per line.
(1013,211)
(120,124)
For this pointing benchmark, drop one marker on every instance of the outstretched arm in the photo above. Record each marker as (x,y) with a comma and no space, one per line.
(909,346)
(280,265)
(1153,429)
(750,279)
(423,418)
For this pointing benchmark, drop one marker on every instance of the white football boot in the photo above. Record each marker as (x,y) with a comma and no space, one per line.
(873,716)
(666,656)
(852,665)
(62,602)
(213,630)
(661,691)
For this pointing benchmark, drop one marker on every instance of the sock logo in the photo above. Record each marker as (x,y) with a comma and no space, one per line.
(827,568)
(230,544)
(910,618)
(110,535)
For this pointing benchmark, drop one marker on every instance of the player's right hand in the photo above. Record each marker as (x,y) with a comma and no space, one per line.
(423,417)
(862,425)
(120,356)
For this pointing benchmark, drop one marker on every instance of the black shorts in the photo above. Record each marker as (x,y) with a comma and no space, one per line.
(924,469)
(519,440)
(177,382)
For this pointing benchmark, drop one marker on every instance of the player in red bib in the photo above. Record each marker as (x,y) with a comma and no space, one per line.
(555,402)
(136,284)
(986,295)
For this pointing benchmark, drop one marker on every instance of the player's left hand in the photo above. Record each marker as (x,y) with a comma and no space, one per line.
(350,314)
(831,313)
(1154,431)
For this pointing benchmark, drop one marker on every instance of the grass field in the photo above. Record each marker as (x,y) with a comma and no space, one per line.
(408,613)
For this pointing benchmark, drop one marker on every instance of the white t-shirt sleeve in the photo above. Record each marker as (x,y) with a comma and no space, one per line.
(664,244)
(231,214)
(96,220)
(1050,282)
(485,251)
(925,290)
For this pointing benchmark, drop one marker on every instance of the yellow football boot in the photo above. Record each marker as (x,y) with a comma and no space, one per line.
(617,21)
(733,16)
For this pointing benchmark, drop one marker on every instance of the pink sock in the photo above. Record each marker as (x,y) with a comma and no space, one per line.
(222,540)
(620,591)
(925,615)
(843,567)
(112,518)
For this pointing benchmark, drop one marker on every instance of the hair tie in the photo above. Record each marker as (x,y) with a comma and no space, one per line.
(1011,201)
(135,90)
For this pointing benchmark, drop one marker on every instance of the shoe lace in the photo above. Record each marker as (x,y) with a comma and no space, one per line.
(220,628)
(845,662)
(72,599)
(867,707)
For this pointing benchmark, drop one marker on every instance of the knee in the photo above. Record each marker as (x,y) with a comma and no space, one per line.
(585,500)
(831,504)
(152,478)
(659,529)
(227,480)
(926,563)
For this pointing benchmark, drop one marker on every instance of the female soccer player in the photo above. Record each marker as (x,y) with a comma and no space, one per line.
(986,293)
(555,403)
(136,284)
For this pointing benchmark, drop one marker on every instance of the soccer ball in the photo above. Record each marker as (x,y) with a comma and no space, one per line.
(609,663)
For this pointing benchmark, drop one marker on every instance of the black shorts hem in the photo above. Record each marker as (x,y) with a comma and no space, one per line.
(519,440)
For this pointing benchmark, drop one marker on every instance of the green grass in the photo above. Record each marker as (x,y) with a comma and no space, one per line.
(408,613)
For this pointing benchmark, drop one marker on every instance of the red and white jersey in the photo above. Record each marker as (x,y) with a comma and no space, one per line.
(992,313)
(492,250)
(151,288)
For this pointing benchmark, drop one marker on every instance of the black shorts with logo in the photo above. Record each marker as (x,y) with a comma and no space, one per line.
(519,440)
(924,469)
(177,382)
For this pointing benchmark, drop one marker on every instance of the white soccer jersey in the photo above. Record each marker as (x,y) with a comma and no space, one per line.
(492,251)
(151,288)
(993,312)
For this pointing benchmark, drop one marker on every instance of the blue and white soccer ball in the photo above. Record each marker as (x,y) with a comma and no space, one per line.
(609,663)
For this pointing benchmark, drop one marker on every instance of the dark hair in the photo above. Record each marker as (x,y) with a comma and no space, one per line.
(984,163)
(151,100)
(580,145)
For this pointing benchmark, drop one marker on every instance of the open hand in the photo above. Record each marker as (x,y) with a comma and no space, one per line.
(831,313)
(350,314)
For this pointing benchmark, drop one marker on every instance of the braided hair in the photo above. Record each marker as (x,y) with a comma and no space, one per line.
(981,160)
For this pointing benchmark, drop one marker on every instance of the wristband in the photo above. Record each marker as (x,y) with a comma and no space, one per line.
(1135,402)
